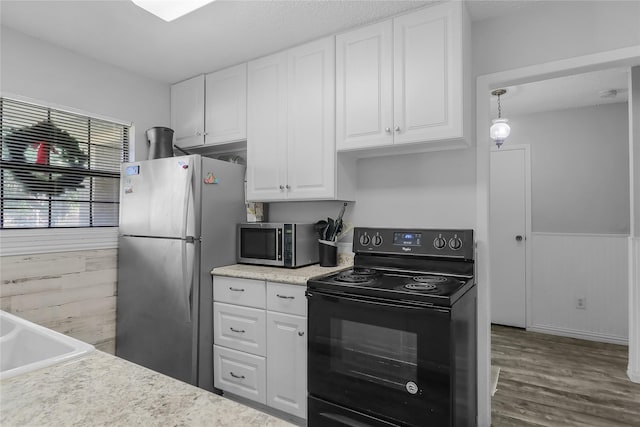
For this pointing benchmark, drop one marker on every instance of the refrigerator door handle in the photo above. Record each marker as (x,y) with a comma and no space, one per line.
(185,201)
(187,267)
(187,278)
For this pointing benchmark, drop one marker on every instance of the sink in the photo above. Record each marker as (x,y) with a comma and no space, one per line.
(25,346)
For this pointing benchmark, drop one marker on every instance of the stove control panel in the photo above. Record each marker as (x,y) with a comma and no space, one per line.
(419,242)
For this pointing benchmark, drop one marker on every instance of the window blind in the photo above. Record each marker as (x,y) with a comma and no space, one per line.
(59,169)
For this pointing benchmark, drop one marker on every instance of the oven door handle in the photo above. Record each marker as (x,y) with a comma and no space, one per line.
(418,305)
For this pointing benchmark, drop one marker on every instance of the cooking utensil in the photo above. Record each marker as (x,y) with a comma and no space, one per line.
(330,229)
(321,228)
(338,223)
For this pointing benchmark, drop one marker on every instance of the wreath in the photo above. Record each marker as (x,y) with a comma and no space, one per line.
(37,175)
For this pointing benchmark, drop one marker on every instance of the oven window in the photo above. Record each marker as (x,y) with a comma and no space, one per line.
(258,243)
(374,353)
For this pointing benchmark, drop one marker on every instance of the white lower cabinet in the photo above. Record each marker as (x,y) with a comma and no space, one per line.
(240,373)
(287,363)
(260,342)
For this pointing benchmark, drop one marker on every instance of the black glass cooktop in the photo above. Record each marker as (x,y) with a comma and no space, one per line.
(436,288)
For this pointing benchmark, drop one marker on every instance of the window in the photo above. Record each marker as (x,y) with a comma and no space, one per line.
(59,169)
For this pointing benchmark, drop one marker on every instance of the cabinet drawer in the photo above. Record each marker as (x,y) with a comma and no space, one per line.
(239,291)
(240,328)
(287,298)
(240,373)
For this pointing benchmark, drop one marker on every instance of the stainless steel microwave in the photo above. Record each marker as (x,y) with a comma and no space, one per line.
(277,244)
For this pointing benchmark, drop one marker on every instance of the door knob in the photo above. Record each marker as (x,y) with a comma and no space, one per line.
(397,128)
(519,238)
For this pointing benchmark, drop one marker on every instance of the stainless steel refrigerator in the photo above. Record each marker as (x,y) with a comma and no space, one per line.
(177,222)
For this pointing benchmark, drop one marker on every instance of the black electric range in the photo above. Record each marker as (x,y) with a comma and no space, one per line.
(392,341)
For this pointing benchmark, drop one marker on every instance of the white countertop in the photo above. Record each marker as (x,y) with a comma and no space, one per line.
(296,276)
(104,390)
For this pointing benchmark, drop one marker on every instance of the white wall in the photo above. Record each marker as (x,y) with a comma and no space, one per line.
(39,70)
(553,30)
(580,174)
(427,190)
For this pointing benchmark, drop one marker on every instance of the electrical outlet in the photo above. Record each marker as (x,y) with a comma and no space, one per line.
(581,303)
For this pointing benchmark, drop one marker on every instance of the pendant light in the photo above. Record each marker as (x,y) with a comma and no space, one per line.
(500,129)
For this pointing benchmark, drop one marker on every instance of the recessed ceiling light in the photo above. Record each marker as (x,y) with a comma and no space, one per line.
(170,9)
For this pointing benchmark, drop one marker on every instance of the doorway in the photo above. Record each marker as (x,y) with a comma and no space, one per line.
(510,183)
(622,57)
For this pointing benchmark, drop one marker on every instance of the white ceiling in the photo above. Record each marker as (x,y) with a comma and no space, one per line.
(578,90)
(228,32)
(220,34)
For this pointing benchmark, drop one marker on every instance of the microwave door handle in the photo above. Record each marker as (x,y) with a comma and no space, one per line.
(278,246)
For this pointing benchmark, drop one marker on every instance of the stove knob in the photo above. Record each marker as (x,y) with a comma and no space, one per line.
(455,243)
(377,240)
(439,242)
(365,240)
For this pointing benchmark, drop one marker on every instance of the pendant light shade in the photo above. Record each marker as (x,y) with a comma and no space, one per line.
(499,131)
(500,128)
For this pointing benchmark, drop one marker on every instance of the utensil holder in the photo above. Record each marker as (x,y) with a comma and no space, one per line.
(328,253)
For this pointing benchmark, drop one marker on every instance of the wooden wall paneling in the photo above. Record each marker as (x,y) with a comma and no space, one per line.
(70,292)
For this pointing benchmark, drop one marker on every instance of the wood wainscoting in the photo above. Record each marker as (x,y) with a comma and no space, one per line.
(70,292)
(549,380)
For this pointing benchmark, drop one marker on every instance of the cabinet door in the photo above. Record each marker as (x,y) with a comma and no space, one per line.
(240,373)
(428,74)
(364,97)
(267,128)
(287,363)
(187,112)
(311,120)
(240,328)
(226,102)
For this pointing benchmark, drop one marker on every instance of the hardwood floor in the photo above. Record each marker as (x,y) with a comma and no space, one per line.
(546,380)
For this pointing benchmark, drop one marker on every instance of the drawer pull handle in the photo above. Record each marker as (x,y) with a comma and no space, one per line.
(240,331)
(236,289)
(284,296)
(236,376)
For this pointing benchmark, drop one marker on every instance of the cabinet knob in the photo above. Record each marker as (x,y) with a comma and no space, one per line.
(397,128)
(288,187)
(198,133)
(387,130)
(301,333)
(282,187)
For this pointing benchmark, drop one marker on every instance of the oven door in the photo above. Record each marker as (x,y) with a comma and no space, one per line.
(386,359)
(260,245)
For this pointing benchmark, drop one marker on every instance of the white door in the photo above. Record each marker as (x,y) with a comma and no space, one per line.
(427,74)
(508,235)
(287,363)
(364,87)
(311,125)
(226,105)
(267,128)
(187,112)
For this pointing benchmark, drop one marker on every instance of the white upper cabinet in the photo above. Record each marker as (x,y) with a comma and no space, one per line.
(267,128)
(187,112)
(401,81)
(226,105)
(364,87)
(311,120)
(291,125)
(210,110)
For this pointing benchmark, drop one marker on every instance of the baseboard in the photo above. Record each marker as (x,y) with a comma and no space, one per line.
(590,336)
